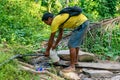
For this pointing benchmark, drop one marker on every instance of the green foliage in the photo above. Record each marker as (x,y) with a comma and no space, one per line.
(20,21)
(100,9)
(22,31)
(108,9)
(94,9)
(11,72)
(104,43)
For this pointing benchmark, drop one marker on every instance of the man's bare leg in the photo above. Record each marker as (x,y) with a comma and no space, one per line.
(72,60)
(77,52)
(72,57)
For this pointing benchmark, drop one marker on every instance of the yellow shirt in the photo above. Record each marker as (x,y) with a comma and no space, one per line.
(72,22)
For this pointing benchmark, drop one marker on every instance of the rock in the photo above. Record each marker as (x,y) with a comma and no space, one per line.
(70,75)
(83,76)
(87,79)
(38,60)
(98,73)
(116,77)
(83,56)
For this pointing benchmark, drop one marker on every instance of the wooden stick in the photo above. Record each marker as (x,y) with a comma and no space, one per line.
(41,72)
(30,68)
(25,64)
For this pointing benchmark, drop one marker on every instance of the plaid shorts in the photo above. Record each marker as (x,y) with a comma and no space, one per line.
(76,38)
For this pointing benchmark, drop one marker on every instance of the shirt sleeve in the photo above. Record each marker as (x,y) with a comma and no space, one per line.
(57,21)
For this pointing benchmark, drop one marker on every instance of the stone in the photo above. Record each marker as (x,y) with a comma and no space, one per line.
(70,75)
(116,77)
(98,73)
(83,76)
(82,56)
(87,79)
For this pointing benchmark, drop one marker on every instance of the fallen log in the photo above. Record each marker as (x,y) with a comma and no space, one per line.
(104,66)
(55,77)
(104,22)
(30,68)
(25,64)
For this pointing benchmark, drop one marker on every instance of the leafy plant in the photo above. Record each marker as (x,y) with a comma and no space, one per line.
(105,43)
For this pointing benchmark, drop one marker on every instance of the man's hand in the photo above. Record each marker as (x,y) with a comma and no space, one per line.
(58,38)
(47,53)
(50,43)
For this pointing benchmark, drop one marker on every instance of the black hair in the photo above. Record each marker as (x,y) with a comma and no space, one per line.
(47,15)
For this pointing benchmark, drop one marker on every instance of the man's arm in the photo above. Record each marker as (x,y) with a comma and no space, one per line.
(50,43)
(58,38)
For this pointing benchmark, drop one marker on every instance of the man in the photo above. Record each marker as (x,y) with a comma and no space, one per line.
(79,25)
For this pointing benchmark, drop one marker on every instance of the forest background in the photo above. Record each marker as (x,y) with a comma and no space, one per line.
(22,31)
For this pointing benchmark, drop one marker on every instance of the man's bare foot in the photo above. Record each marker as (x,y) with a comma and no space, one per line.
(69,69)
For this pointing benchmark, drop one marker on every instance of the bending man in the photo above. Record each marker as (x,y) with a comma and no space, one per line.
(79,25)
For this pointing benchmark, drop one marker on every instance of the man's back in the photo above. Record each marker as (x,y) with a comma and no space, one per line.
(72,22)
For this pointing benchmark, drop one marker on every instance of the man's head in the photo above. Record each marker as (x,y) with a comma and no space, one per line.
(47,18)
